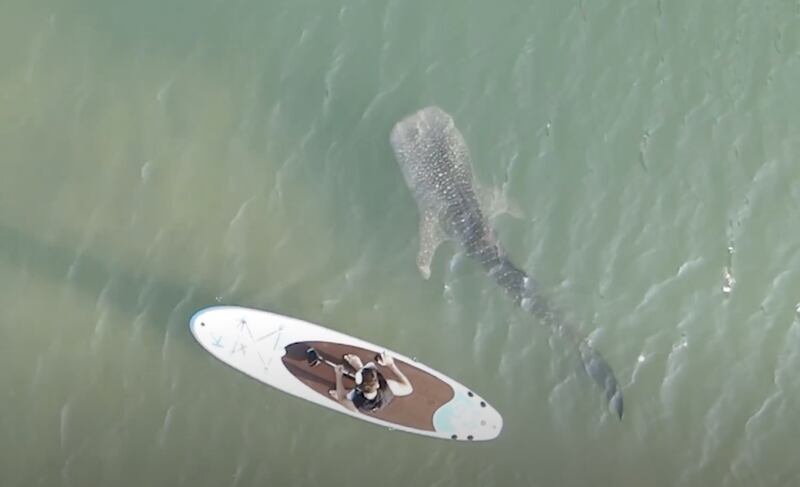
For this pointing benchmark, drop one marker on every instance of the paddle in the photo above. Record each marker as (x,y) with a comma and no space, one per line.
(314,358)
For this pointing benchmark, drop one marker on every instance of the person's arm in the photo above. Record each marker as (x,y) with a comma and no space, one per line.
(340,393)
(399,388)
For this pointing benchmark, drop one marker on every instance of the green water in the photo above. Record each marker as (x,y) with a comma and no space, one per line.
(158,157)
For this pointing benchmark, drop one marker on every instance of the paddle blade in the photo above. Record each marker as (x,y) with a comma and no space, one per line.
(312,357)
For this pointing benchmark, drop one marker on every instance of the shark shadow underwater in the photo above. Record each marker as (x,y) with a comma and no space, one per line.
(435,162)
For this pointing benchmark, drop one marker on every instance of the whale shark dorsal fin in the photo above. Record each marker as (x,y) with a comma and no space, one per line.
(430,236)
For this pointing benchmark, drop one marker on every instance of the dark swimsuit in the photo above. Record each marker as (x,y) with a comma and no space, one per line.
(380,401)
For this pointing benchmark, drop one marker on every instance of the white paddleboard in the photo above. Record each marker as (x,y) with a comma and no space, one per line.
(271,348)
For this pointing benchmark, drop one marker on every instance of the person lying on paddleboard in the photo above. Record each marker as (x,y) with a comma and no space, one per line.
(373,391)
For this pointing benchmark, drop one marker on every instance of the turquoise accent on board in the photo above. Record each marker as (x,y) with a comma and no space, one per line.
(460,415)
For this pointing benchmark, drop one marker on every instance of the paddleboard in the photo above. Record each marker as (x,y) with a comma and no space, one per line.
(273,349)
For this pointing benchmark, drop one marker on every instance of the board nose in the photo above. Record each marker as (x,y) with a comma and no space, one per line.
(198,321)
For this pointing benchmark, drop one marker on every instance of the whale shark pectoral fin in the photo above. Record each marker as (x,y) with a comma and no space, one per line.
(496,202)
(430,236)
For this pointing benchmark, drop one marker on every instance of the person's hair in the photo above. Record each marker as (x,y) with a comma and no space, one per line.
(369,380)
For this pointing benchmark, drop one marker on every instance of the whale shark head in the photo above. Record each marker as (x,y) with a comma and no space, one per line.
(433,157)
(420,142)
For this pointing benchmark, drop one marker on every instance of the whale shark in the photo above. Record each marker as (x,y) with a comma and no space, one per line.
(435,162)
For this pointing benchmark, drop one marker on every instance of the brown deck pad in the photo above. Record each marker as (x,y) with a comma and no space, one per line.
(414,411)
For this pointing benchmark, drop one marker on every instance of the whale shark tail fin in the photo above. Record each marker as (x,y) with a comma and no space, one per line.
(602,373)
(616,403)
